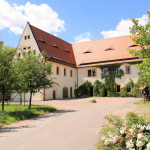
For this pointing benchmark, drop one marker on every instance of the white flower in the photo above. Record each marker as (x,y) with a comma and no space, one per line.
(148,146)
(148,127)
(139,143)
(142,127)
(139,136)
(146,138)
(139,126)
(131,130)
(129,144)
(103,138)
(122,131)
(114,140)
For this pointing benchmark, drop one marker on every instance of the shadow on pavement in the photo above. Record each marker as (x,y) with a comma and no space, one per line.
(56,113)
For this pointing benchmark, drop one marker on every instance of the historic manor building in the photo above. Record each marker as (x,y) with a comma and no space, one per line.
(73,64)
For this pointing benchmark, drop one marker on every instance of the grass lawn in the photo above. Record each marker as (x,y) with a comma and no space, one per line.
(144,108)
(16,112)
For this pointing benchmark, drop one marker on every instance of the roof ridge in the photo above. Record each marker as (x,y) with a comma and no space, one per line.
(102,39)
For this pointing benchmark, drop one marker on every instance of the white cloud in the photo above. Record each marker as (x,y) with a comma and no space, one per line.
(42,16)
(123,27)
(83,37)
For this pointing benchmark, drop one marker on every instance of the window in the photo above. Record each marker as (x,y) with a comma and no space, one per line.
(57,70)
(91,73)
(29,47)
(94,72)
(117,70)
(118,88)
(128,69)
(34,52)
(70,92)
(27,37)
(65,72)
(128,88)
(19,54)
(71,73)
(24,48)
(105,71)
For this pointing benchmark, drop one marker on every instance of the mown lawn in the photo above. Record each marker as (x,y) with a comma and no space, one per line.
(144,108)
(16,112)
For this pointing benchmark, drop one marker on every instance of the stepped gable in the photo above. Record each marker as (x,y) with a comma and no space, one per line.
(57,49)
(104,51)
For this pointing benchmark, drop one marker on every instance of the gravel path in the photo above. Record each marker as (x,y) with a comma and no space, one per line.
(74,126)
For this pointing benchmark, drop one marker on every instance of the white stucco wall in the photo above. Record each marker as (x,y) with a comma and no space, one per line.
(63,81)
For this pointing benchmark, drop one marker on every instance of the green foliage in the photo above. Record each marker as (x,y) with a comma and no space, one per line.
(123,92)
(142,38)
(14,113)
(98,89)
(110,83)
(132,132)
(134,89)
(84,90)
(8,74)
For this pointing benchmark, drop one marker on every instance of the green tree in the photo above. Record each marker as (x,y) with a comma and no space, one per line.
(35,72)
(142,38)
(7,71)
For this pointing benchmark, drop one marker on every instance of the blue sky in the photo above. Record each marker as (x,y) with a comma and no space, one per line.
(71,20)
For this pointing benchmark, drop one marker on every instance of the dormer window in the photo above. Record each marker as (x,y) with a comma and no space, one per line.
(56,46)
(42,41)
(109,49)
(88,51)
(134,45)
(66,50)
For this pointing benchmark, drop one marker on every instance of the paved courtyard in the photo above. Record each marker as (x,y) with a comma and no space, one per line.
(74,126)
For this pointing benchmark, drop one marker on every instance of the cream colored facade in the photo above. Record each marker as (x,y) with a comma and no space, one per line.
(82,73)
(67,82)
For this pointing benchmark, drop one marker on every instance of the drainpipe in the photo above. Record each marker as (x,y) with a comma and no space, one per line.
(77,82)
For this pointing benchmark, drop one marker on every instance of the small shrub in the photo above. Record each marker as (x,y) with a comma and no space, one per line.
(131,133)
(84,90)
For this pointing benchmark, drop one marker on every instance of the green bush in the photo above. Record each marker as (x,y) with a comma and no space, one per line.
(131,133)
(96,88)
(84,90)
(99,89)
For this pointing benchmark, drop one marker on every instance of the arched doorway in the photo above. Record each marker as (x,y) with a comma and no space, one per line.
(65,92)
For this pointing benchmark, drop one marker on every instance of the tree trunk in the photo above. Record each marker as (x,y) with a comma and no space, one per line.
(44,94)
(30,100)
(3,102)
(24,99)
(21,99)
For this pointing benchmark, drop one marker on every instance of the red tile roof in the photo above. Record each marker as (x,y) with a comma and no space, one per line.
(104,51)
(83,54)
(57,49)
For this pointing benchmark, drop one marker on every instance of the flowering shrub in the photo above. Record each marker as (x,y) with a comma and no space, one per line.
(131,133)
